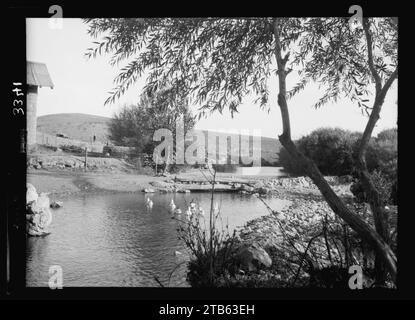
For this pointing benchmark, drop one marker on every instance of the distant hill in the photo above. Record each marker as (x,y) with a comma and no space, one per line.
(76,126)
(83,127)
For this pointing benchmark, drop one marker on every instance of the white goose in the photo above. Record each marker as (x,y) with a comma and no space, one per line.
(188,212)
(216,207)
(201,211)
(172,206)
(192,205)
(149,203)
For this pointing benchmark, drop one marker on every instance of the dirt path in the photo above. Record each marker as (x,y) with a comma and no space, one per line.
(70,181)
(65,182)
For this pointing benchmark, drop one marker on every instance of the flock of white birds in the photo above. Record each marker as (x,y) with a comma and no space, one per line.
(191,209)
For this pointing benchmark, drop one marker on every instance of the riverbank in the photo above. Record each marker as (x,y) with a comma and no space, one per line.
(58,183)
(69,181)
(307,207)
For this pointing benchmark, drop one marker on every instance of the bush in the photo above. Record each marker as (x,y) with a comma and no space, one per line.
(382,153)
(210,260)
(382,163)
(333,150)
(73,149)
(386,187)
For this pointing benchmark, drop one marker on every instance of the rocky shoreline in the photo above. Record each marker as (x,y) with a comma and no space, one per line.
(260,237)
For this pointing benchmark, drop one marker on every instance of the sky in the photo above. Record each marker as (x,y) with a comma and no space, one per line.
(82,86)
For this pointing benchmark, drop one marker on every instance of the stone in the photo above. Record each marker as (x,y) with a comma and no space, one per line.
(31,194)
(149,190)
(183,190)
(253,256)
(262,190)
(38,215)
(56,204)
(247,188)
(160,184)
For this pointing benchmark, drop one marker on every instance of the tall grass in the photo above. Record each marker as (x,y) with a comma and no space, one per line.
(210,244)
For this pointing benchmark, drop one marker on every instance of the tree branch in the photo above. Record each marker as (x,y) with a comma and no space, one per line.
(376,205)
(310,168)
(282,100)
(366,28)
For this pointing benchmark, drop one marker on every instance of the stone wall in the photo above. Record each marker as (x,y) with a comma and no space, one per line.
(54,141)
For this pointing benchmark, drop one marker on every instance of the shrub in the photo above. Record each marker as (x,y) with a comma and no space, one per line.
(210,259)
(333,150)
(382,163)
(211,248)
(73,149)
(382,153)
(387,188)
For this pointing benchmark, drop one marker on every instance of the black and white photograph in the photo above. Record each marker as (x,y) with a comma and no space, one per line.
(210,152)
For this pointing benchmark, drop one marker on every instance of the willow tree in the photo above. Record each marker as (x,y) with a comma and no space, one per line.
(353,62)
(215,63)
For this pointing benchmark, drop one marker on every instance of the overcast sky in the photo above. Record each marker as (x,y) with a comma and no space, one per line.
(82,85)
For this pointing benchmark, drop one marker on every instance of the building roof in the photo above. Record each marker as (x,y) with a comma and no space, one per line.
(38,75)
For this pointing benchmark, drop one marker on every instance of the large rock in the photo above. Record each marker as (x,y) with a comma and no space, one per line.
(252,257)
(31,194)
(56,204)
(38,215)
(262,190)
(247,188)
(161,184)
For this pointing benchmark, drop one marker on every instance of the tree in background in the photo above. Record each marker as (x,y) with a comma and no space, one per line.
(216,62)
(334,150)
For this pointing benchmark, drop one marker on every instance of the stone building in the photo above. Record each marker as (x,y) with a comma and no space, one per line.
(37,77)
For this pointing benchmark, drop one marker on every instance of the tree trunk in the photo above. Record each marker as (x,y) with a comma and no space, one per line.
(376,205)
(167,165)
(309,167)
(339,208)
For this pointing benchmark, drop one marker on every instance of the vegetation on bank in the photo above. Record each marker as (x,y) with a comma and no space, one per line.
(309,246)
(334,152)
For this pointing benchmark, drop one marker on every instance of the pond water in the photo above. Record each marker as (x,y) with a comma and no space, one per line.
(113,240)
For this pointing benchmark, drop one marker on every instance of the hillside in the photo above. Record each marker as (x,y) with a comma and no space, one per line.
(77,126)
(84,126)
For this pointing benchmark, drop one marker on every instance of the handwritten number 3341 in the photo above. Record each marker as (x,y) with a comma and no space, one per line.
(17,103)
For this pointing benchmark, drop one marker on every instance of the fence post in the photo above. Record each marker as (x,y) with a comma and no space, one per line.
(157,160)
(86,155)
